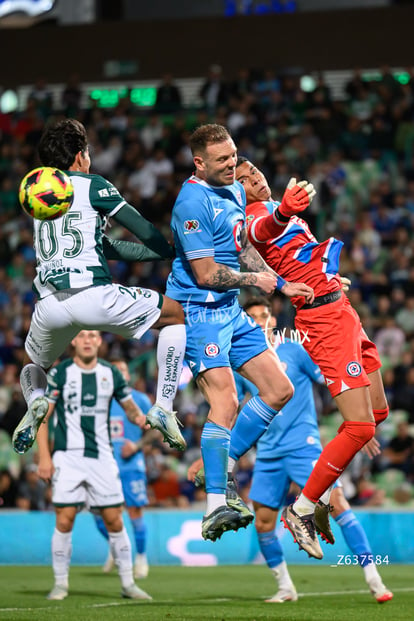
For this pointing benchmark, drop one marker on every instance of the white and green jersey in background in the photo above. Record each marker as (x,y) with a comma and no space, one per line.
(69,250)
(82,398)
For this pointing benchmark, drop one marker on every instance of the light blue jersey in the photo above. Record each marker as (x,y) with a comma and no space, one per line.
(206,222)
(296,426)
(122,429)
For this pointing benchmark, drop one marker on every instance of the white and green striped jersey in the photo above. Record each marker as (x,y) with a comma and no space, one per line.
(69,250)
(82,398)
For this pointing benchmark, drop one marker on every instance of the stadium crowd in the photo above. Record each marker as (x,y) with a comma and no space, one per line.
(358,153)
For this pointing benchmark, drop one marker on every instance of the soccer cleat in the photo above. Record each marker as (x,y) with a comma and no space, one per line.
(232,497)
(235,502)
(380,592)
(167,423)
(109,564)
(134,592)
(141,568)
(302,527)
(322,524)
(219,521)
(25,433)
(58,592)
(284,595)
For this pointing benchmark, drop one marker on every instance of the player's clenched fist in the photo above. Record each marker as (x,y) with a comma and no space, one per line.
(296,198)
(266,281)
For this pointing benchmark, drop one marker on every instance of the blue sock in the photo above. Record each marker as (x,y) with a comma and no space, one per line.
(101,526)
(215,442)
(140,534)
(253,420)
(354,536)
(270,548)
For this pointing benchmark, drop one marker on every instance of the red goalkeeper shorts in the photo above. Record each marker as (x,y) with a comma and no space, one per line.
(333,336)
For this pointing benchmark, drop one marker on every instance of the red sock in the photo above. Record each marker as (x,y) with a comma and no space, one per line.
(381,415)
(352,435)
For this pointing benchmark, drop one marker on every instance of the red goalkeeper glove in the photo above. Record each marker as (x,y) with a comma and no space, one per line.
(297,198)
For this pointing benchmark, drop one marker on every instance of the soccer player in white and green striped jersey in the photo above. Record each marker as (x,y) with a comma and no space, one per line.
(83,469)
(75,289)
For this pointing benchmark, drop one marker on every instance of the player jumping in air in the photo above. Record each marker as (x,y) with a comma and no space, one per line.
(335,340)
(75,289)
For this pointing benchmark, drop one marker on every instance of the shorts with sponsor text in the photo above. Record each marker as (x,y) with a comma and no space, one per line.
(57,318)
(79,480)
(220,336)
(337,343)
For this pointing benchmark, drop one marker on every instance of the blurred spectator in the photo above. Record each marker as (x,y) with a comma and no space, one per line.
(8,490)
(400,451)
(214,91)
(32,491)
(168,98)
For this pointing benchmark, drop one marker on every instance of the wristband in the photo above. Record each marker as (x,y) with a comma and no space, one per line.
(280,282)
(279,217)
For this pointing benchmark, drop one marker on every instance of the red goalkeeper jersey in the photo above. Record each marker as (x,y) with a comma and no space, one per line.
(292,251)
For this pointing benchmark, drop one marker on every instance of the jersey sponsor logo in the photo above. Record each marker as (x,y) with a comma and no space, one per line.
(237,235)
(353,369)
(191,226)
(250,218)
(212,350)
(88,397)
(106,192)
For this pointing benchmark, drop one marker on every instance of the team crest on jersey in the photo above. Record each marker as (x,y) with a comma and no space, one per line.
(353,369)
(104,383)
(117,428)
(191,226)
(237,235)
(212,350)
(250,218)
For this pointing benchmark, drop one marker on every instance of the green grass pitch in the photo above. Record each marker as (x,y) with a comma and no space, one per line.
(215,593)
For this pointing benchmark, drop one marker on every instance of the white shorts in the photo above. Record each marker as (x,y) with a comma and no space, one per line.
(57,319)
(80,480)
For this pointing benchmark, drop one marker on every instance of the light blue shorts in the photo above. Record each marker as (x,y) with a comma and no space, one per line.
(221,335)
(134,487)
(272,477)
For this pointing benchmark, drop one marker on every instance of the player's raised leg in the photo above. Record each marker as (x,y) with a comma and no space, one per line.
(33,382)
(218,388)
(353,434)
(170,355)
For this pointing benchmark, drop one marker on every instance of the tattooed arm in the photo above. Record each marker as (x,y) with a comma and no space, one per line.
(212,275)
(249,258)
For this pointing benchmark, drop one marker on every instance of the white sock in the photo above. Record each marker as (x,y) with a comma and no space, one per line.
(303,506)
(326,496)
(230,467)
(121,551)
(61,553)
(282,575)
(33,381)
(371,573)
(170,356)
(214,501)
